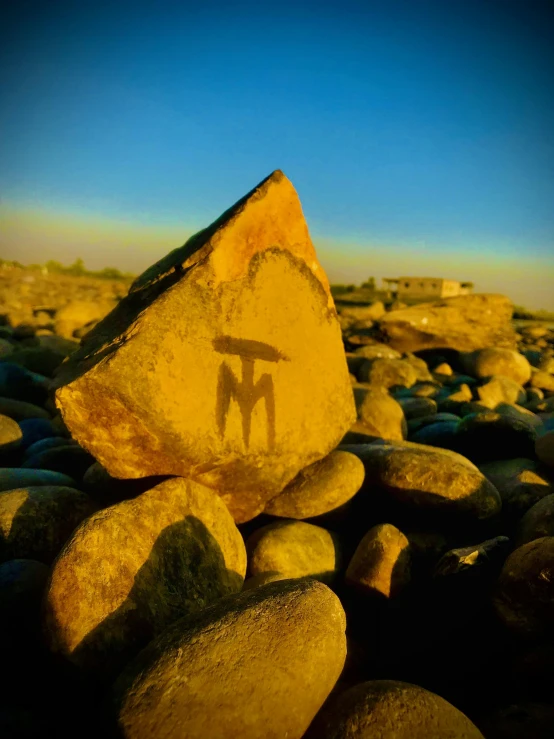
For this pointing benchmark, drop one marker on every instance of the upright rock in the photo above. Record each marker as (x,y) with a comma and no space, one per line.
(465,323)
(224,363)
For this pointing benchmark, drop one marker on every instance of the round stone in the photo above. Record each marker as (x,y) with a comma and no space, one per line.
(524,597)
(295,549)
(382,415)
(389,709)
(35,522)
(321,488)
(381,562)
(538,521)
(506,362)
(132,569)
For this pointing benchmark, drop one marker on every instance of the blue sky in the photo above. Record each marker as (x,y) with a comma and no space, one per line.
(410,129)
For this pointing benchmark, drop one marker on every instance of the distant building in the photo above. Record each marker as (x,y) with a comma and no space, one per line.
(416,288)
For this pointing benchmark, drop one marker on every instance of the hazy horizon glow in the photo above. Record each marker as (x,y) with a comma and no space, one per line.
(419,134)
(32,236)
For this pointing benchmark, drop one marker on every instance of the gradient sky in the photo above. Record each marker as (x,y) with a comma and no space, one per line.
(419,135)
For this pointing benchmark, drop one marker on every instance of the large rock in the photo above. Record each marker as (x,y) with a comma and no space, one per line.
(224,364)
(131,570)
(465,323)
(259,664)
(389,709)
(35,522)
(381,414)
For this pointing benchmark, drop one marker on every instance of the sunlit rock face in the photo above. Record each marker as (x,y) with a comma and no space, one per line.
(224,364)
(465,323)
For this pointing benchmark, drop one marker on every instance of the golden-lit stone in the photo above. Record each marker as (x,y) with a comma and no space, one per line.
(131,570)
(389,709)
(224,364)
(381,562)
(259,664)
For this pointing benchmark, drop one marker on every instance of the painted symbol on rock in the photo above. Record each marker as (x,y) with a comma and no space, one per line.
(245,391)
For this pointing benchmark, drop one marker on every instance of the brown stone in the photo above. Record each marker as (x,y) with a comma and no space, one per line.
(131,570)
(381,562)
(381,415)
(500,389)
(321,488)
(259,664)
(389,709)
(424,477)
(35,522)
(211,368)
(538,521)
(498,361)
(294,549)
(524,597)
(388,373)
(465,323)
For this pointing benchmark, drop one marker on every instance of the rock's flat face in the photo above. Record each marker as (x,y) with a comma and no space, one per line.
(131,570)
(260,664)
(465,323)
(223,357)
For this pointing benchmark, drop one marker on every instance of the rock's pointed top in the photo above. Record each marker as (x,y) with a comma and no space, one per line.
(270,215)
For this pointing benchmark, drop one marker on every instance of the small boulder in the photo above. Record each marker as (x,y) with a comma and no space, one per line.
(131,570)
(489,436)
(322,488)
(295,549)
(36,429)
(417,407)
(544,448)
(12,478)
(480,560)
(377,351)
(431,479)
(388,373)
(78,313)
(19,383)
(381,562)
(542,380)
(500,389)
(69,459)
(524,597)
(499,361)
(19,410)
(519,482)
(10,436)
(538,521)
(389,709)
(441,434)
(259,664)
(35,522)
(381,415)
